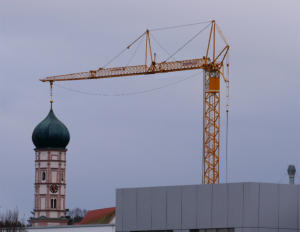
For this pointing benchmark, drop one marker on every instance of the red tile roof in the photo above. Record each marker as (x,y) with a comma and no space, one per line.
(99,216)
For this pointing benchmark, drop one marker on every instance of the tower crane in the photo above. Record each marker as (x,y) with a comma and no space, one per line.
(213,67)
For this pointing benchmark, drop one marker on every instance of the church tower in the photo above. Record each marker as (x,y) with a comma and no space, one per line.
(50,138)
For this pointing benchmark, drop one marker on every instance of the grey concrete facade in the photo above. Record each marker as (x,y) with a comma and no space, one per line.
(246,207)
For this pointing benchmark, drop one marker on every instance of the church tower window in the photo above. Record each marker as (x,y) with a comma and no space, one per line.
(43,175)
(53,203)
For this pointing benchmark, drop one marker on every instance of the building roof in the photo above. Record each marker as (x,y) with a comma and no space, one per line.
(99,216)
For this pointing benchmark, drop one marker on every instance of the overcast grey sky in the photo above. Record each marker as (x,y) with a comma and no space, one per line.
(149,139)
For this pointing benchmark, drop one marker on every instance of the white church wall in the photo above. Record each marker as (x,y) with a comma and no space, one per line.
(43,203)
(54,164)
(43,189)
(54,176)
(43,155)
(43,164)
(42,214)
(62,189)
(53,215)
(77,228)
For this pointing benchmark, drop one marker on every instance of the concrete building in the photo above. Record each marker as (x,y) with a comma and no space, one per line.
(245,207)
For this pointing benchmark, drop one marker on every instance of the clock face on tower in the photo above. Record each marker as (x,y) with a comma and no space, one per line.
(53,188)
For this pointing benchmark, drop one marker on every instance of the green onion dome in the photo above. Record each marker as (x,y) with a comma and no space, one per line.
(50,133)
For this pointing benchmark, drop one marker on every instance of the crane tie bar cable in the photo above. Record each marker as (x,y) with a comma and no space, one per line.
(178,26)
(125,49)
(159,44)
(186,43)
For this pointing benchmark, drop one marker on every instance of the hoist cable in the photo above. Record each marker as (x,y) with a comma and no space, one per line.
(128,93)
(186,43)
(227,113)
(178,26)
(226,146)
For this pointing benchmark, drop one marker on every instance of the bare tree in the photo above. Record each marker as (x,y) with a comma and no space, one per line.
(10,221)
(76,215)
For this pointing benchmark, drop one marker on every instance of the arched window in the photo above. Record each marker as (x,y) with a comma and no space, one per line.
(53,203)
(43,175)
(62,176)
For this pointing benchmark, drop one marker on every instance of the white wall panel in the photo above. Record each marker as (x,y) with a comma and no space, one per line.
(43,189)
(267,229)
(43,155)
(62,189)
(288,230)
(54,164)
(159,208)
(43,203)
(268,205)
(119,209)
(43,214)
(43,164)
(143,209)
(251,205)
(288,208)
(53,215)
(129,206)
(247,230)
(235,205)
(189,208)
(204,206)
(219,206)
(54,176)
(174,207)
(75,228)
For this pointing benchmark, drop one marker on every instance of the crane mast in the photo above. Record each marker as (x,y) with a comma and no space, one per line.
(213,70)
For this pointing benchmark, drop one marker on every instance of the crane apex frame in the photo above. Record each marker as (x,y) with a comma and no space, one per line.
(213,69)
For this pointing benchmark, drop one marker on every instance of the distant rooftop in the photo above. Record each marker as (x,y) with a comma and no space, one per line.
(99,216)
